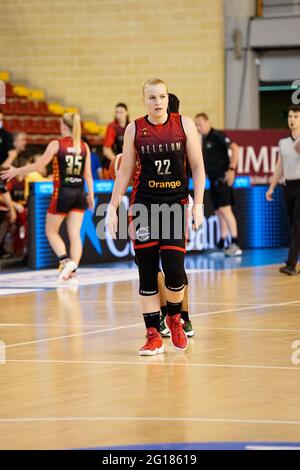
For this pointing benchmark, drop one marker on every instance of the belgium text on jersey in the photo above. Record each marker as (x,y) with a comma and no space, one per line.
(170,147)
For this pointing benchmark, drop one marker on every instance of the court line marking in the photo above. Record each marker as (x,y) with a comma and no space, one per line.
(259,306)
(40,325)
(86,325)
(131,275)
(134,325)
(271,330)
(145,363)
(148,418)
(190,303)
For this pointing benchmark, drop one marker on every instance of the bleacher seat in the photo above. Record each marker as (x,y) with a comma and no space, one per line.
(27,110)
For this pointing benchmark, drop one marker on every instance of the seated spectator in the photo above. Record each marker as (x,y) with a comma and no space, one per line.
(20,142)
(7,153)
(35,176)
(8,216)
(16,186)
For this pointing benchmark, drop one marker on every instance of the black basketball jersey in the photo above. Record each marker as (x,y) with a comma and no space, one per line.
(161,154)
(68,167)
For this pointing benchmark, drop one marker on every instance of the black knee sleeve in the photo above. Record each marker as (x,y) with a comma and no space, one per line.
(173,268)
(147,260)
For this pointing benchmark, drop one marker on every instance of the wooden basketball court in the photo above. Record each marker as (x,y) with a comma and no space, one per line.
(71,376)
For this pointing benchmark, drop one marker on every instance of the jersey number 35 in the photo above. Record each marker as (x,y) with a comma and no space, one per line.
(74,164)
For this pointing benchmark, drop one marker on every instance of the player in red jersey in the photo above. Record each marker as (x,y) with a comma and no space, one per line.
(71,166)
(114,137)
(161,143)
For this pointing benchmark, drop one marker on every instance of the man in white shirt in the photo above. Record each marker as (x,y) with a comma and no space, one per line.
(288,166)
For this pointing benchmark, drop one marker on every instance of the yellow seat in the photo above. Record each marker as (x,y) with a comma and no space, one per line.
(91,127)
(36,95)
(102,129)
(56,108)
(71,109)
(21,90)
(4,76)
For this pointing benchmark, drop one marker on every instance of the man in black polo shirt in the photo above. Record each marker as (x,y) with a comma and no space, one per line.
(7,152)
(220,169)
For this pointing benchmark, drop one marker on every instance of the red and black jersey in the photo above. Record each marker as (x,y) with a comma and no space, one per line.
(68,167)
(114,137)
(161,154)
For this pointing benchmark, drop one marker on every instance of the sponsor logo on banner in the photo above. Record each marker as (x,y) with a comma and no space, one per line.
(259,153)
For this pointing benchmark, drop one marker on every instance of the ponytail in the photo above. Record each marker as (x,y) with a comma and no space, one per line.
(73,121)
(76,133)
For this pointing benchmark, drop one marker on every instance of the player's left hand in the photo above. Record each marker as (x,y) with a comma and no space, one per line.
(9,174)
(229,177)
(198,215)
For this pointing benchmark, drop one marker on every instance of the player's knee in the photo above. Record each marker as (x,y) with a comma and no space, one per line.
(224,210)
(148,282)
(50,230)
(148,265)
(173,267)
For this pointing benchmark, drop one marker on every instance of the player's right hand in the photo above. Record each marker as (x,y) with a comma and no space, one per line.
(90,202)
(111,222)
(269,195)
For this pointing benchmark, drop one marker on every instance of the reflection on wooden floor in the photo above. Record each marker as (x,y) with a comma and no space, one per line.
(70,375)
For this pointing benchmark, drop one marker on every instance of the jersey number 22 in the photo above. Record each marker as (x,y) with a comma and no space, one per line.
(163,167)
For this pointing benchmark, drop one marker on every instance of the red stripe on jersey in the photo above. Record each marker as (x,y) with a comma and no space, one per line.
(136,181)
(171,247)
(145,245)
(56,175)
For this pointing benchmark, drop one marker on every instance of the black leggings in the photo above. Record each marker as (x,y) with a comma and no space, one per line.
(161,234)
(172,265)
(292,200)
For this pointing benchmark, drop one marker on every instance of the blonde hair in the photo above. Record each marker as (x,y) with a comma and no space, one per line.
(153,81)
(73,122)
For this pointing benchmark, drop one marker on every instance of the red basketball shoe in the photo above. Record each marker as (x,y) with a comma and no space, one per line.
(154,344)
(178,335)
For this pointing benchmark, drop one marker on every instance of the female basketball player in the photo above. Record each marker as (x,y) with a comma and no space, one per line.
(113,141)
(71,166)
(161,142)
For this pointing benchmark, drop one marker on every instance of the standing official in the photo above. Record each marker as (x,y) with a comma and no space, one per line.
(220,169)
(288,166)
